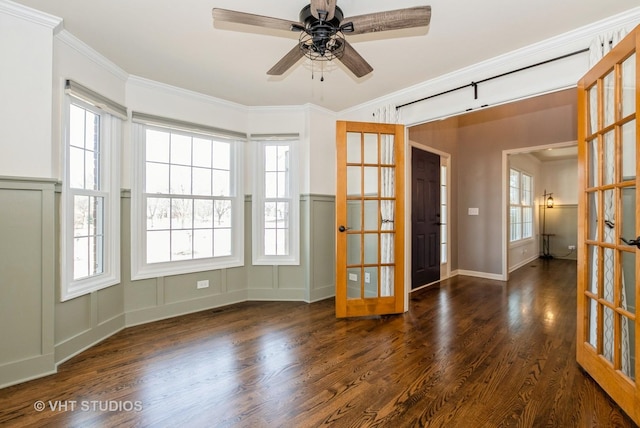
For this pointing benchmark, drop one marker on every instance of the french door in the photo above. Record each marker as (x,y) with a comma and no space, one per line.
(609,224)
(369,219)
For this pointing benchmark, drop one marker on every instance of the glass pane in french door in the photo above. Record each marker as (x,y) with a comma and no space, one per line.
(611,218)
(370,215)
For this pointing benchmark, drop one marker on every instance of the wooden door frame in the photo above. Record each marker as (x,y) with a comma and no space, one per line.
(445,158)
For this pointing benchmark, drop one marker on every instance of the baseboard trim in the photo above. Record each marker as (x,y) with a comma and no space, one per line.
(281,294)
(523,263)
(27,369)
(322,293)
(79,343)
(485,275)
(157,313)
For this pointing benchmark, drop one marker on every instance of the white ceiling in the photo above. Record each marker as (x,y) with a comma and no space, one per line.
(176,43)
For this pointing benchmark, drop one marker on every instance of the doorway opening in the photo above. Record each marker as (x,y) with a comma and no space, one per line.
(528,173)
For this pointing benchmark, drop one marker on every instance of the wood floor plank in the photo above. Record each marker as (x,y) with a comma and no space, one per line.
(470,353)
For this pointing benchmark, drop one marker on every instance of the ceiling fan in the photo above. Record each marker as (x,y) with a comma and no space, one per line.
(322,28)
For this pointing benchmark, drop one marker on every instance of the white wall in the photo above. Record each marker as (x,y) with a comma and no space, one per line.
(550,77)
(26,49)
(560,178)
(322,151)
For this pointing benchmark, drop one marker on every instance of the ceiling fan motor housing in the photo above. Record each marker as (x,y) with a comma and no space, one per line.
(321,40)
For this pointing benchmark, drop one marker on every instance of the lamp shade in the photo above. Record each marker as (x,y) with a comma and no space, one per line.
(549,202)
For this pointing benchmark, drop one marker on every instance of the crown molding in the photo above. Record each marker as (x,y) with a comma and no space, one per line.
(174,90)
(576,39)
(88,52)
(31,15)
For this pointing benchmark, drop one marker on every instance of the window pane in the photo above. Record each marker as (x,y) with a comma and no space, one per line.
(270,184)
(157,146)
(608,99)
(371,148)
(80,258)
(91,170)
(157,178)
(158,246)
(96,255)
(222,213)
(202,181)
(202,243)
(92,131)
(81,216)
(281,242)
(526,189)
(181,213)
(158,213)
(221,242)
(203,213)
(283,158)
(221,155)
(371,181)
(181,246)
(628,85)
(76,168)
(180,149)
(221,183)
(629,150)
(202,152)
(354,149)
(270,158)
(283,190)
(270,242)
(76,126)
(180,180)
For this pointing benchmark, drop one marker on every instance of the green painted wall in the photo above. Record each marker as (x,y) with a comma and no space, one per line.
(38,331)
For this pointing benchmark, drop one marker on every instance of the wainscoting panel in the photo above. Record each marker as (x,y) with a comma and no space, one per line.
(27,279)
(562,222)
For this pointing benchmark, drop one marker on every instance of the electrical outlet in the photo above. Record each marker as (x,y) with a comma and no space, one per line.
(202,284)
(353,277)
(572,247)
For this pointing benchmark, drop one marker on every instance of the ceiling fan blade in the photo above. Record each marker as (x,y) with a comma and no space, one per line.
(411,17)
(354,62)
(327,5)
(225,15)
(287,61)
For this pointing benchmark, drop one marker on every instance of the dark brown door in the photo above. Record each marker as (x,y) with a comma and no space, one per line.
(425,217)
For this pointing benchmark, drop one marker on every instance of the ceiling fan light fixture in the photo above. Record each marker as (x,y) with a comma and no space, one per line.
(323,47)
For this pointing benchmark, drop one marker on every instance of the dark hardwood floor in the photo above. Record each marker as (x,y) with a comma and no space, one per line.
(469,353)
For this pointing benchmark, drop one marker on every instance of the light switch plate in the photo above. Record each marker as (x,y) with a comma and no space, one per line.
(474,211)
(353,277)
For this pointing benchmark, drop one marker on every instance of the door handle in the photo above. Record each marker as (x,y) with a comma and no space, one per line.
(343,229)
(437,224)
(635,242)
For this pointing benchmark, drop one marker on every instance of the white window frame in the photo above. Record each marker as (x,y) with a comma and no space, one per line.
(259,199)
(110,141)
(140,268)
(521,206)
